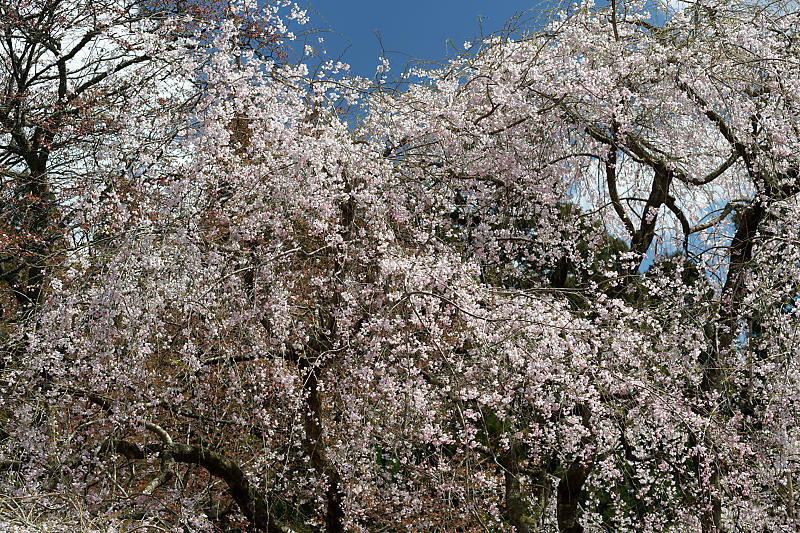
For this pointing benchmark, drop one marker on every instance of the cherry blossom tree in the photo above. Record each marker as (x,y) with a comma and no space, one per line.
(680,140)
(75,76)
(549,287)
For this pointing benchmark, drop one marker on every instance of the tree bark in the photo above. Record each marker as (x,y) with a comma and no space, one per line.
(568,505)
(515,504)
(253,504)
(571,483)
(315,448)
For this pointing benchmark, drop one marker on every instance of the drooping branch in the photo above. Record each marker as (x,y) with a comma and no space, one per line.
(738,146)
(251,502)
(611,180)
(711,176)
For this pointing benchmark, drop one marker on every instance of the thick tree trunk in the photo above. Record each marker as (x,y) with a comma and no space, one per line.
(569,489)
(515,503)
(571,483)
(315,448)
(542,490)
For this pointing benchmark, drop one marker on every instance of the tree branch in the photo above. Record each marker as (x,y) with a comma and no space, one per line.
(252,503)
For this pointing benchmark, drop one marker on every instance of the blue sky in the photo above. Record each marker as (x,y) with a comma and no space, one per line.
(408,29)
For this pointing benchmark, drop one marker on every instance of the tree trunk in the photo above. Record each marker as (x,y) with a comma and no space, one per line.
(515,503)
